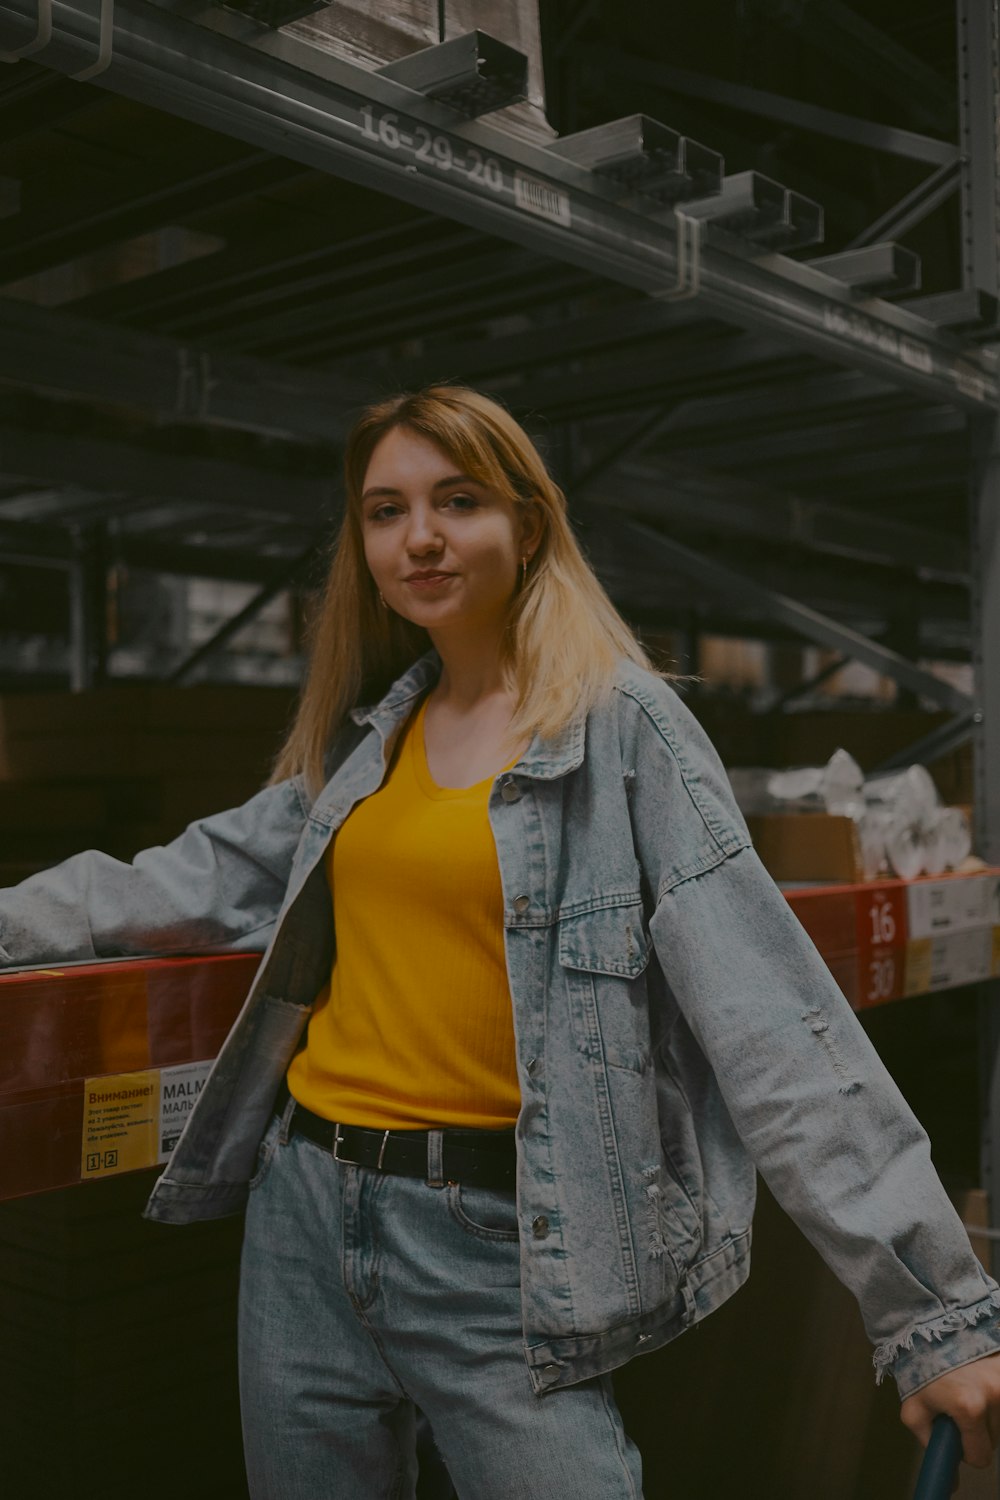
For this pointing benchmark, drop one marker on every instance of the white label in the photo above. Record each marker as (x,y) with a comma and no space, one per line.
(952,905)
(542,199)
(179,1088)
(917,356)
(961,958)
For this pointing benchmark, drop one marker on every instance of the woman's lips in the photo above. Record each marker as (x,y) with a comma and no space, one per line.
(430,583)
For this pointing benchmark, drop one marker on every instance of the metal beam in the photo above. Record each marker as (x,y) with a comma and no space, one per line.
(728,503)
(977,66)
(840,34)
(913,208)
(965,308)
(290,258)
(985,520)
(137,204)
(25,545)
(276,92)
(34,99)
(55,353)
(941,741)
(415,299)
(186,669)
(639,437)
(797,112)
(88,591)
(779,704)
(121,468)
(629,323)
(728,583)
(843,436)
(783,402)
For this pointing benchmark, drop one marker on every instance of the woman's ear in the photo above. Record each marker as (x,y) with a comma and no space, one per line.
(531,525)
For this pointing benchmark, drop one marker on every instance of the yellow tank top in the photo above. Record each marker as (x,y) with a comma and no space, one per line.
(414,1029)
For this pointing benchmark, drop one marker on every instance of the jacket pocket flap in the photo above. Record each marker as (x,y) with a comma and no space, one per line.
(610,940)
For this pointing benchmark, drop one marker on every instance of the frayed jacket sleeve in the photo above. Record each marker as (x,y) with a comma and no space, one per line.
(816,1109)
(220,884)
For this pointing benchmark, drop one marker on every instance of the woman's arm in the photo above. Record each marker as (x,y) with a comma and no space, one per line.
(815,1107)
(220,884)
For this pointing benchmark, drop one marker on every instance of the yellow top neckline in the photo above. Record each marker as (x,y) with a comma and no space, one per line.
(418,752)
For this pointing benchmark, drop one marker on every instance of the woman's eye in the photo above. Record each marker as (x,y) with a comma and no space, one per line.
(464,500)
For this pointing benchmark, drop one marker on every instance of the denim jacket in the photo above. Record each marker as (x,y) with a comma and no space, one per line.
(674,1028)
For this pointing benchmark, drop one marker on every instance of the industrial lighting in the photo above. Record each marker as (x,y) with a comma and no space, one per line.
(274,13)
(474,74)
(642,156)
(874,270)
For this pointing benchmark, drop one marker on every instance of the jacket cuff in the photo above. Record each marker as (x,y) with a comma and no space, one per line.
(927,1350)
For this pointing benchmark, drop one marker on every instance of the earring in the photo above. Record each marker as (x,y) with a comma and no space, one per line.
(524,570)
(381,599)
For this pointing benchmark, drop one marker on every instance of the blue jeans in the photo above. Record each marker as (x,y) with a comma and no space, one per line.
(364,1296)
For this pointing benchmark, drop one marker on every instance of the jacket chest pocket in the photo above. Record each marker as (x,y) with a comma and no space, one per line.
(603,958)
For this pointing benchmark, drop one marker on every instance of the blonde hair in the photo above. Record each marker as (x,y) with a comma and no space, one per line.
(563,637)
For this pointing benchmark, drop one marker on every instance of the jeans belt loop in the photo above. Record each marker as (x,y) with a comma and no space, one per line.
(435,1158)
(287,1111)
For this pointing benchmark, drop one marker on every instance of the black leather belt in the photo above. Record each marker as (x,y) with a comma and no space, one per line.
(481,1158)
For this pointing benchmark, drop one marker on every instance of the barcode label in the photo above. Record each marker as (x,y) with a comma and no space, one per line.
(542,199)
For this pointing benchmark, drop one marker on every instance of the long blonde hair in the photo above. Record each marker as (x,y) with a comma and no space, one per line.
(563,637)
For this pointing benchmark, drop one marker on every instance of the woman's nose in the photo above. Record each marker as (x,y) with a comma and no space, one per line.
(422,530)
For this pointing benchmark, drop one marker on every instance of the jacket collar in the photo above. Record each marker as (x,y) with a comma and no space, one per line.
(546,758)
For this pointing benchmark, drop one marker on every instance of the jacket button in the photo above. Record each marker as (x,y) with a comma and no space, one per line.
(509,790)
(521,903)
(540,1227)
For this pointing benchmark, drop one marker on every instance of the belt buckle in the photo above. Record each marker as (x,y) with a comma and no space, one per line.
(338,1141)
(348,1161)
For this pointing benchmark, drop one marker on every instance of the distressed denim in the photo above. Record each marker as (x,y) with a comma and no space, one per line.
(363,1296)
(675,1029)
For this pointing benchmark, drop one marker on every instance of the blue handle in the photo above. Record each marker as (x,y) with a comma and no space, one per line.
(937,1472)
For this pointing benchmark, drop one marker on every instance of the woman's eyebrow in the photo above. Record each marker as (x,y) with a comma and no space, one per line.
(438,485)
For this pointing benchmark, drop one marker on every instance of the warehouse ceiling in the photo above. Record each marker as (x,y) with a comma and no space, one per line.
(139,250)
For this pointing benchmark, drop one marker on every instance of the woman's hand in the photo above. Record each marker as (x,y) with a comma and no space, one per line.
(969,1395)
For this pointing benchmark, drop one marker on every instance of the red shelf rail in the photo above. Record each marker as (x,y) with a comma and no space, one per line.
(101,1063)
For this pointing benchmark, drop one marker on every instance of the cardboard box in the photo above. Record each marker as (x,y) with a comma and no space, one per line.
(808,846)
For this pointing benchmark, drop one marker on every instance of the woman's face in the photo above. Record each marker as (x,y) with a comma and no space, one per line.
(420,515)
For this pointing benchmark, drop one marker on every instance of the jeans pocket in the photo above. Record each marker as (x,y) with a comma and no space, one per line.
(265,1151)
(490,1213)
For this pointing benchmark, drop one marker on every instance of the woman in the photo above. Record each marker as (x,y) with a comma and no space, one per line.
(500,1136)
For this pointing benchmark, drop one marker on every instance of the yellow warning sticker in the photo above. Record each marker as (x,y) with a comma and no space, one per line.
(121,1117)
(919,966)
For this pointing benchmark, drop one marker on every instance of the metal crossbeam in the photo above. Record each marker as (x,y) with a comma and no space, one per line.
(677,492)
(68,229)
(913,208)
(730,584)
(23,544)
(838,32)
(53,352)
(186,669)
(779,704)
(274,91)
(121,468)
(751,101)
(941,741)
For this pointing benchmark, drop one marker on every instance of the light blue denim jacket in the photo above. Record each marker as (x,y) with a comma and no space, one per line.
(674,1029)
